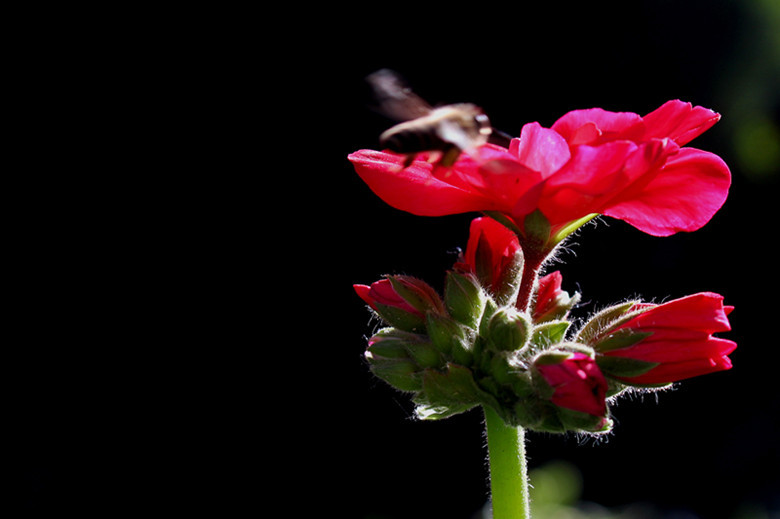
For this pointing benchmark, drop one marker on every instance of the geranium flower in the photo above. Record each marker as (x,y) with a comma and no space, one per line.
(674,339)
(589,162)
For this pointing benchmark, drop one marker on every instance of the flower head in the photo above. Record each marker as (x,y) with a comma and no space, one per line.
(589,162)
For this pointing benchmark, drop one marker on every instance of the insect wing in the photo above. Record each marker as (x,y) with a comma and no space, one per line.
(396,100)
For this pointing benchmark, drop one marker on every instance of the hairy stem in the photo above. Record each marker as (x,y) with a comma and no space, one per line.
(508,470)
(531,266)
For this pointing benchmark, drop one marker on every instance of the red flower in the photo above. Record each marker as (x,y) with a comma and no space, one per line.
(680,339)
(590,162)
(490,253)
(578,383)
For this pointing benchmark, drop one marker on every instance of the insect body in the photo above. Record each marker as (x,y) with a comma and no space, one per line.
(449,129)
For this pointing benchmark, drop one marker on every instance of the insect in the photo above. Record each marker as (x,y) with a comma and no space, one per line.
(449,129)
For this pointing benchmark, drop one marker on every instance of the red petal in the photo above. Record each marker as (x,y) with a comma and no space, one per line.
(540,149)
(592,176)
(676,351)
(414,189)
(690,189)
(596,125)
(703,312)
(666,373)
(678,121)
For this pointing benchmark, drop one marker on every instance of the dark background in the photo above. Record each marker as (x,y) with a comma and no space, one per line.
(185,333)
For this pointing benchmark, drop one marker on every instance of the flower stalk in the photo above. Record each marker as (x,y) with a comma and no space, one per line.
(508,468)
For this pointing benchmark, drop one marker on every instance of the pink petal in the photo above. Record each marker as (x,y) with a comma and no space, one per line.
(672,372)
(540,149)
(414,189)
(678,121)
(580,186)
(690,189)
(702,312)
(596,125)
(676,351)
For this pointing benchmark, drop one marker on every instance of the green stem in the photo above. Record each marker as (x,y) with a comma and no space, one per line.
(508,470)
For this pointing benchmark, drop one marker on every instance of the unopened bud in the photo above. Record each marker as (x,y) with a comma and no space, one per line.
(391,344)
(574,379)
(508,330)
(552,303)
(464,299)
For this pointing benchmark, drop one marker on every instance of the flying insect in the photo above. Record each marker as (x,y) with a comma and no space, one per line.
(449,129)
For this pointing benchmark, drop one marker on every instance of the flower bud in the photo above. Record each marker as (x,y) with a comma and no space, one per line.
(655,345)
(494,256)
(396,344)
(452,340)
(417,293)
(464,298)
(508,330)
(401,301)
(389,361)
(551,302)
(573,381)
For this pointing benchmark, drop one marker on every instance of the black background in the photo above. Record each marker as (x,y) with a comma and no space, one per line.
(185,325)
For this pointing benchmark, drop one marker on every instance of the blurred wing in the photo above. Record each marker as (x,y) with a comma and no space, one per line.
(396,100)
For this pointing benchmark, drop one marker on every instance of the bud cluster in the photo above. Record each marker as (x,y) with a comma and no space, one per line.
(501,337)
(463,350)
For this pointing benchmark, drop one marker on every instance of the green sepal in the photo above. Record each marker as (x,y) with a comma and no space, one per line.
(537,230)
(453,389)
(401,319)
(615,388)
(443,332)
(578,421)
(508,330)
(548,333)
(390,343)
(605,320)
(506,288)
(622,367)
(464,298)
(550,358)
(503,369)
(488,311)
(570,227)
(619,339)
(417,293)
(531,412)
(427,411)
(521,384)
(403,375)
